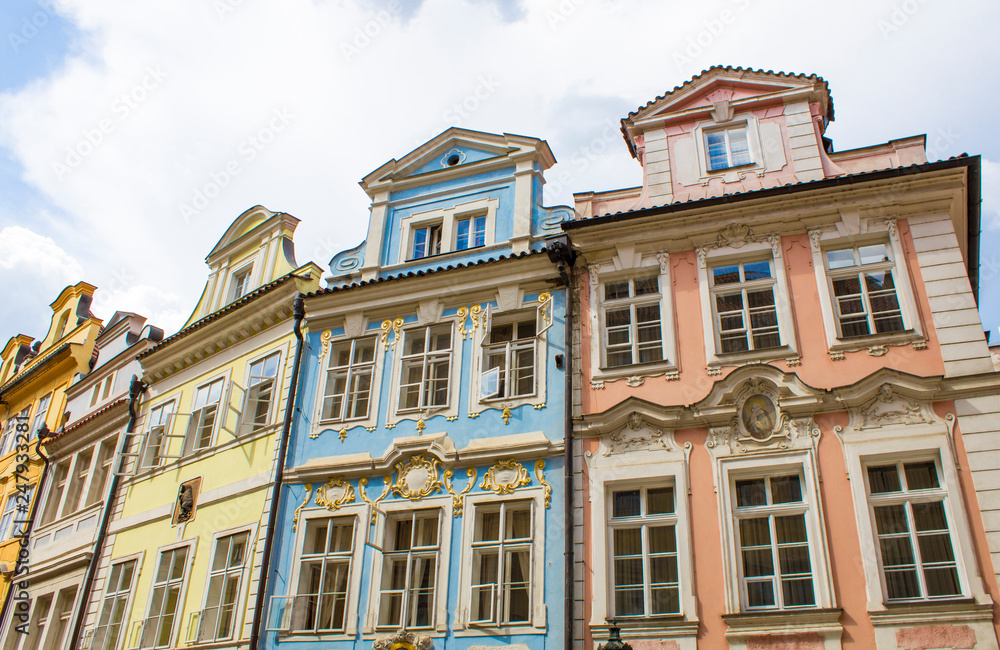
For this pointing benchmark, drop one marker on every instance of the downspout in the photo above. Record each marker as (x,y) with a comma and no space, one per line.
(25,538)
(272,517)
(135,389)
(562,254)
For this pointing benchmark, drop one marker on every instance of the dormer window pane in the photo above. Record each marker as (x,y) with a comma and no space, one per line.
(241,283)
(471,233)
(427,241)
(727,148)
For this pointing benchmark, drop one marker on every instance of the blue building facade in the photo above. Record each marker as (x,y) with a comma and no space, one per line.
(423,503)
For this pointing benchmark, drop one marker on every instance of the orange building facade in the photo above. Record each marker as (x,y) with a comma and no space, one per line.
(786,411)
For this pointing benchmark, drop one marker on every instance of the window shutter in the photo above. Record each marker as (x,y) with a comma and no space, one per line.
(193,628)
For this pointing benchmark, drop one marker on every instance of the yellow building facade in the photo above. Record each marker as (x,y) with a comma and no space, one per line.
(180,564)
(34,376)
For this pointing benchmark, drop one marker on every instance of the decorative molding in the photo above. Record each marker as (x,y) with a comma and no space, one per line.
(421,425)
(663,259)
(539,407)
(889,407)
(404,640)
(505,476)
(540,475)
(343,434)
(636,435)
(920,345)
(877,351)
(793,361)
(545,305)
(418,478)
(593,272)
(295,517)
(394,324)
(451,418)
(814,239)
(714,371)
(634,381)
(890,223)
(470,313)
(506,413)
(474,414)
(333,494)
(325,341)
(760,424)
(702,252)
(374,504)
(458,498)
(775,242)
(597,384)
(836,356)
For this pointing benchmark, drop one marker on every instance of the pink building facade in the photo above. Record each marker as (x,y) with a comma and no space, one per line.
(787,416)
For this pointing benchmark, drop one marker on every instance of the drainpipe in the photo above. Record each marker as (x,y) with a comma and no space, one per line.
(272,518)
(135,390)
(561,253)
(25,539)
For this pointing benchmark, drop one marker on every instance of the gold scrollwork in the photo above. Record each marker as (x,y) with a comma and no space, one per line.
(374,504)
(544,298)
(343,434)
(325,340)
(458,498)
(463,313)
(540,475)
(474,414)
(451,418)
(421,425)
(395,325)
(505,476)
(418,467)
(539,407)
(506,414)
(295,517)
(323,494)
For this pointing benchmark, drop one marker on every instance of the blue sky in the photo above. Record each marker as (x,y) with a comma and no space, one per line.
(117,118)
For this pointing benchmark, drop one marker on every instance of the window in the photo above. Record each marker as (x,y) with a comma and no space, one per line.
(642,525)
(61,617)
(325,565)
(410,563)
(40,414)
(10,434)
(772,543)
(501,563)
(165,598)
(218,620)
(746,316)
(102,390)
(727,148)
(102,470)
(509,360)
(204,413)
(632,325)
(74,491)
(349,379)
(7,518)
(59,479)
(157,442)
(240,283)
(112,617)
(260,392)
(864,291)
(470,232)
(426,241)
(426,366)
(915,547)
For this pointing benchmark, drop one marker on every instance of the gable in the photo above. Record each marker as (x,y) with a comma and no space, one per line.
(445,157)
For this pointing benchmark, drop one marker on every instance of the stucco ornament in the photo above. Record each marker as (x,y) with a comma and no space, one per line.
(418,478)
(760,424)
(637,435)
(505,476)
(334,493)
(888,407)
(404,640)
(458,498)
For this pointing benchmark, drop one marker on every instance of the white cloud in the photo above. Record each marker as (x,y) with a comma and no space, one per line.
(27,254)
(164,310)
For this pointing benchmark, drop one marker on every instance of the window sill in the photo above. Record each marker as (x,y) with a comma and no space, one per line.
(752,356)
(444,255)
(670,626)
(875,341)
(786,620)
(644,370)
(958,609)
(484,631)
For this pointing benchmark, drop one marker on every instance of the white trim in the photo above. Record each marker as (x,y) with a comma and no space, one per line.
(277,392)
(126,623)
(240,607)
(450,408)
(756,164)
(378,365)
(176,624)
(447,217)
(527,312)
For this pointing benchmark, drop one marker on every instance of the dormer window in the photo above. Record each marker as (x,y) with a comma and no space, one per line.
(727,148)
(471,232)
(241,283)
(427,241)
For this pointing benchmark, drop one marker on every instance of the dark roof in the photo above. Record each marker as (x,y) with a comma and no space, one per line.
(71,427)
(17,379)
(214,316)
(963,160)
(416,274)
(728,68)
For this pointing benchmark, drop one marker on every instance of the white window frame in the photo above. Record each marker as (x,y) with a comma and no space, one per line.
(56,491)
(632,302)
(451,353)
(472,218)
(794,462)
(351,369)
(745,120)
(448,219)
(439,617)
(10,438)
(8,515)
(539,344)
(237,290)
(537,615)
(177,622)
(743,287)
(129,593)
(107,464)
(727,132)
(239,607)
(910,443)
(869,232)
(43,410)
(192,436)
(249,424)
(361,514)
(768,248)
(628,265)
(154,439)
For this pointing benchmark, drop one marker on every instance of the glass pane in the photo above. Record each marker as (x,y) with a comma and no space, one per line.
(628,541)
(794,559)
(755,532)
(921,476)
(756,270)
(902,584)
(942,582)
(790,529)
(518,523)
(665,601)
(726,274)
(891,520)
(785,489)
(873,254)
(760,594)
(884,478)
(625,503)
(929,516)
(935,549)
(662,539)
(660,501)
(751,492)
(628,602)
(488,525)
(616,290)
(896,551)
(840,259)
(644,286)
(797,593)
